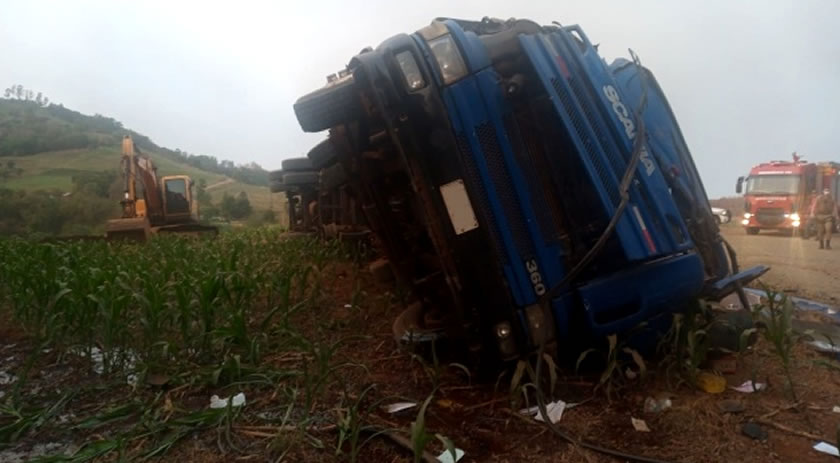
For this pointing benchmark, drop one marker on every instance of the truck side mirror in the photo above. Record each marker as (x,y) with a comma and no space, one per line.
(739,187)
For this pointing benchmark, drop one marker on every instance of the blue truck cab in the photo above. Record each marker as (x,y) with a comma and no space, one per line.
(529,193)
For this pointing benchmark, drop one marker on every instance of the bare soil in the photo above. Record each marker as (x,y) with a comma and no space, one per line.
(481,416)
(797,266)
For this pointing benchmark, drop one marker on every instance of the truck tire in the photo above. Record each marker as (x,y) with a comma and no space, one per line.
(752,230)
(333,176)
(277,186)
(334,104)
(323,154)
(275,175)
(297,165)
(301,179)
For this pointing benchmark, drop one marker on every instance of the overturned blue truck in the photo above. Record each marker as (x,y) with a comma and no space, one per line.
(530,194)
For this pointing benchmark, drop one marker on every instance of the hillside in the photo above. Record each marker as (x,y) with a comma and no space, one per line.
(43,148)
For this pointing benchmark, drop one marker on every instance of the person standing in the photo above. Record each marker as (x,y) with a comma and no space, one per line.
(824,211)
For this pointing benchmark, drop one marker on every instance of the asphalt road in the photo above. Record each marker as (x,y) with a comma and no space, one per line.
(797,266)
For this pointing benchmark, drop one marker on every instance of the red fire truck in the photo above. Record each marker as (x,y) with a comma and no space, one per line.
(779,194)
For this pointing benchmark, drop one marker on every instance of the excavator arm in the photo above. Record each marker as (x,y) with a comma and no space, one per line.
(136,166)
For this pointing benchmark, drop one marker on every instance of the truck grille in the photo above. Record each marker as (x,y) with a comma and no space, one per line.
(479,197)
(503,184)
(770,215)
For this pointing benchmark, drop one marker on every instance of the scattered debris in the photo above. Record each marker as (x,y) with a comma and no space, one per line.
(749,387)
(727,364)
(554,410)
(731,406)
(157,379)
(826,448)
(711,383)
(7,378)
(2,394)
(399,406)
(754,431)
(639,425)
(657,405)
(446,456)
(348,306)
(824,346)
(37,451)
(236,401)
(836,409)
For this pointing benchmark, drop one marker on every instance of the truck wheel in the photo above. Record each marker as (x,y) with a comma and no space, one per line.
(275,175)
(277,186)
(752,230)
(336,103)
(297,165)
(301,179)
(323,154)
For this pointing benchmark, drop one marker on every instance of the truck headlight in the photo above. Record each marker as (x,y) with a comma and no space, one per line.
(794,217)
(448,58)
(410,71)
(747,215)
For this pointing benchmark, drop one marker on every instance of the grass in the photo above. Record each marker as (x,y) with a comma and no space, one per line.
(198,313)
(54,170)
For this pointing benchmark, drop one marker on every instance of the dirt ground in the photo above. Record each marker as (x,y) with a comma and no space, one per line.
(481,416)
(797,266)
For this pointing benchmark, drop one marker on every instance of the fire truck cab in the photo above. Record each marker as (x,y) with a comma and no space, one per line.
(778,194)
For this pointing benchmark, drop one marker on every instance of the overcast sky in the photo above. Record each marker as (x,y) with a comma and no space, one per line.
(749,81)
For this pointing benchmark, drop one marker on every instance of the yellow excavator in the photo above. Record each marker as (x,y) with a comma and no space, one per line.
(164,205)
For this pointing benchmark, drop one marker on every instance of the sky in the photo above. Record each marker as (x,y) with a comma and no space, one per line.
(749,81)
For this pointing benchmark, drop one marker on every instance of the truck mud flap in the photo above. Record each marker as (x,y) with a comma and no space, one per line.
(725,286)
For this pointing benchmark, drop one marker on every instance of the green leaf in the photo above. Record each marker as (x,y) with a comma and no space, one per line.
(638,360)
(582,357)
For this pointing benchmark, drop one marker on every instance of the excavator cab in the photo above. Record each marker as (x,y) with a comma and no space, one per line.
(177,198)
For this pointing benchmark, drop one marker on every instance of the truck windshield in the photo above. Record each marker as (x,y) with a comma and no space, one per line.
(773,184)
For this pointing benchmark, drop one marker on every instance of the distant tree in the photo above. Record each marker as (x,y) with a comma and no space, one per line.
(10,164)
(235,207)
(28,95)
(45,102)
(19,91)
(39,99)
(8,92)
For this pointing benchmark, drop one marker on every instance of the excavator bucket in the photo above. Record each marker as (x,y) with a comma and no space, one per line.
(135,229)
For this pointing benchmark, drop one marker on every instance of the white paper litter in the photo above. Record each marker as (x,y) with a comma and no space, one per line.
(399,406)
(823,346)
(348,306)
(236,401)
(554,410)
(836,409)
(827,448)
(446,456)
(7,378)
(747,387)
(639,425)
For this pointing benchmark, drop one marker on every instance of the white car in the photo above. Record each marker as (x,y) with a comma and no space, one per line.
(722,215)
